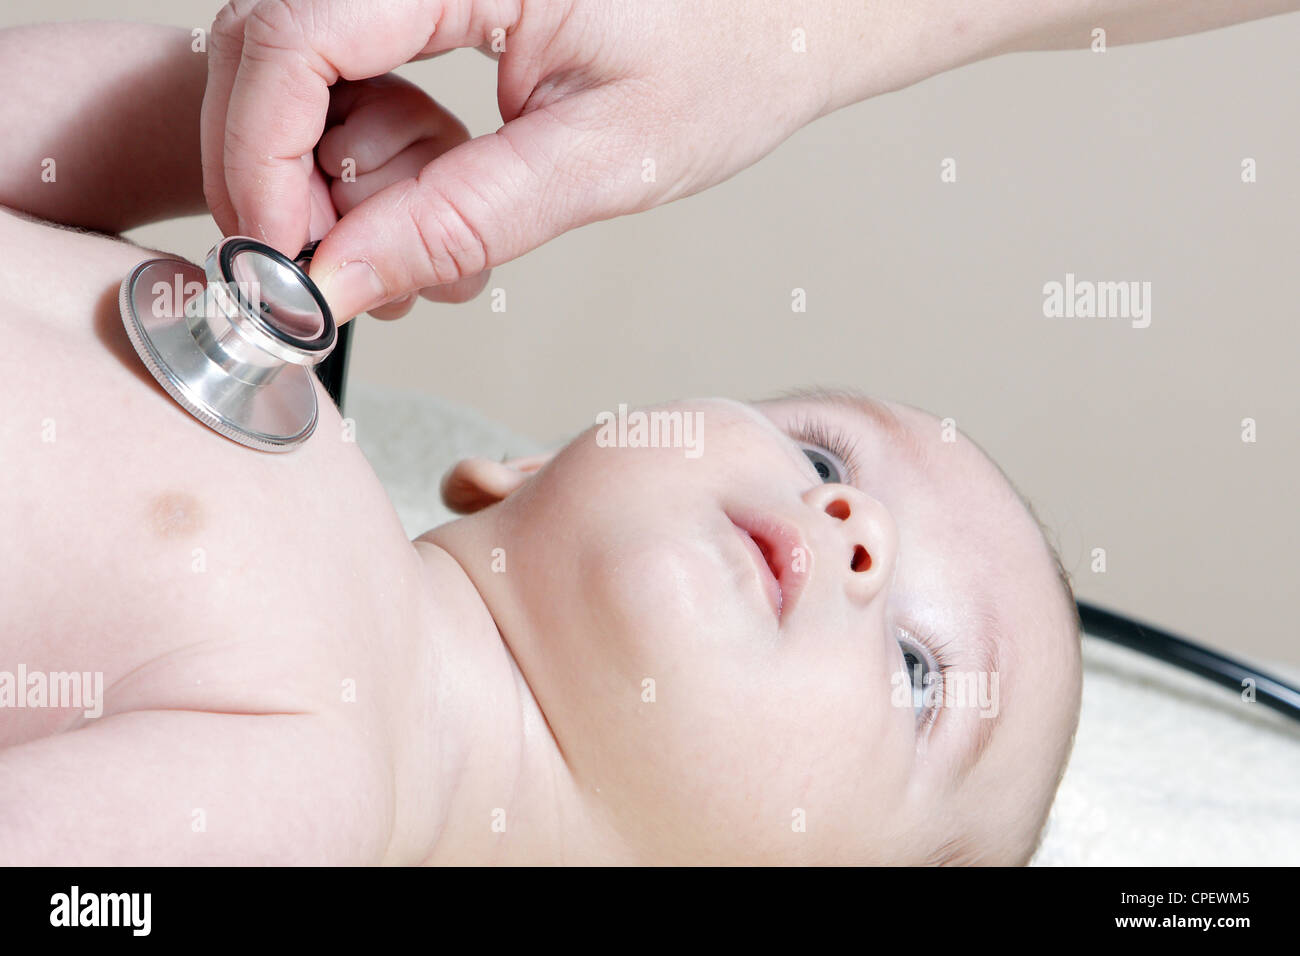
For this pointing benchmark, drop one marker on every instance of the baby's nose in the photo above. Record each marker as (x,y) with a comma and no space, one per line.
(863,538)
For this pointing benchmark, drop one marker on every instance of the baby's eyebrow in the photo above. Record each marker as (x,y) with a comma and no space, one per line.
(983,649)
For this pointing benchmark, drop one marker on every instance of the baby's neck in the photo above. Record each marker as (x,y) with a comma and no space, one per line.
(480,778)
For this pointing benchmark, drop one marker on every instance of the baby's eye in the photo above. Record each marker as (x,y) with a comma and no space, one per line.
(831,451)
(826,467)
(920,675)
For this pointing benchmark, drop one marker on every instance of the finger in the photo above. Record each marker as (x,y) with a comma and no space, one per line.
(391,131)
(382,119)
(395,309)
(293,50)
(462,290)
(481,204)
(225,47)
(346,196)
(407,164)
(323,213)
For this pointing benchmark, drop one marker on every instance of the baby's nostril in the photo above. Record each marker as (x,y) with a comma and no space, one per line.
(861,560)
(838,509)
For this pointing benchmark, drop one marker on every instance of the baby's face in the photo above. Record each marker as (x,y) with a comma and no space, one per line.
(736,643)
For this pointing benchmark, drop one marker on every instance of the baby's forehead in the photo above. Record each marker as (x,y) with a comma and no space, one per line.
(973,505)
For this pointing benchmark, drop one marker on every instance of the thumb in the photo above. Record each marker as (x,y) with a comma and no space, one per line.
(478,205)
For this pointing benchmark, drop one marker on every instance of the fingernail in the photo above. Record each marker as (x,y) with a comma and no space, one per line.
(353,288)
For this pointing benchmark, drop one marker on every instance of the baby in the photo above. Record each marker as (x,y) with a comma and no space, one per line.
(826,631)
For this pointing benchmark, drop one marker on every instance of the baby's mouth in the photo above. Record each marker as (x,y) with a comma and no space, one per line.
(775,548)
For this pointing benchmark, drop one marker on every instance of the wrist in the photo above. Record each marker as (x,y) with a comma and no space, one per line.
(885,45)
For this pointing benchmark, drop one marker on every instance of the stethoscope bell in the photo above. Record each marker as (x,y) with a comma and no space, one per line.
(234,344)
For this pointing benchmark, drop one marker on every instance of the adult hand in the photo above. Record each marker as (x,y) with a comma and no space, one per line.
(609,108)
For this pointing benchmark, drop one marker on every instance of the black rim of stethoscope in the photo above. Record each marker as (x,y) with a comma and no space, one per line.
(328,330)
(1152,641)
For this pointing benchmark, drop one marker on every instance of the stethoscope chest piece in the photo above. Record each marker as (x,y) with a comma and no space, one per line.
(234,343)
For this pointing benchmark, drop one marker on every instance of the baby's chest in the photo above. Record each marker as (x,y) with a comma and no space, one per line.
(171,565)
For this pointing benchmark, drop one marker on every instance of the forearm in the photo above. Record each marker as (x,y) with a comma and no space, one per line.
(101,122)
(885,45)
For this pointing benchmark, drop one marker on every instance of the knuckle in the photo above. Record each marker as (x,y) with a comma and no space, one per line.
(278,25)
(229,22)
(240,150)
(453,248)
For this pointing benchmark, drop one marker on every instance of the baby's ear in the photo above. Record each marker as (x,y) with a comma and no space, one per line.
(474,483)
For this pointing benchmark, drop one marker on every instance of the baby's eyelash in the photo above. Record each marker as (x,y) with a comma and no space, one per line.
(832,439)
(936,649)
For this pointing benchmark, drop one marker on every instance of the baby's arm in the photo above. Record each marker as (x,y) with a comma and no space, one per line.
(178,787)
(102,123)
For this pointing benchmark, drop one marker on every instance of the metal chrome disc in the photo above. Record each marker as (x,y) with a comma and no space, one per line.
(272,411)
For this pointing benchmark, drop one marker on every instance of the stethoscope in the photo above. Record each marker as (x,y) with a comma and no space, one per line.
(235,344)
(1251,684)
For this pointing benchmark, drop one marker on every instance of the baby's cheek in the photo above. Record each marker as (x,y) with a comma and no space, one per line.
(732,782)
(848,754)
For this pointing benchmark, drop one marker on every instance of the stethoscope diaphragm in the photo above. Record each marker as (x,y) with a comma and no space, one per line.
(234,343)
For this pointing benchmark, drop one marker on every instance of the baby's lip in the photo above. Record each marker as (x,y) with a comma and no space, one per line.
(779,552)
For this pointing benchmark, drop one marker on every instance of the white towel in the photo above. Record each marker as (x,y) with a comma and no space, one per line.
(1169,769)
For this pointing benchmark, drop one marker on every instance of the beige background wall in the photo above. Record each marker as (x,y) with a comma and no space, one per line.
(1119,166)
